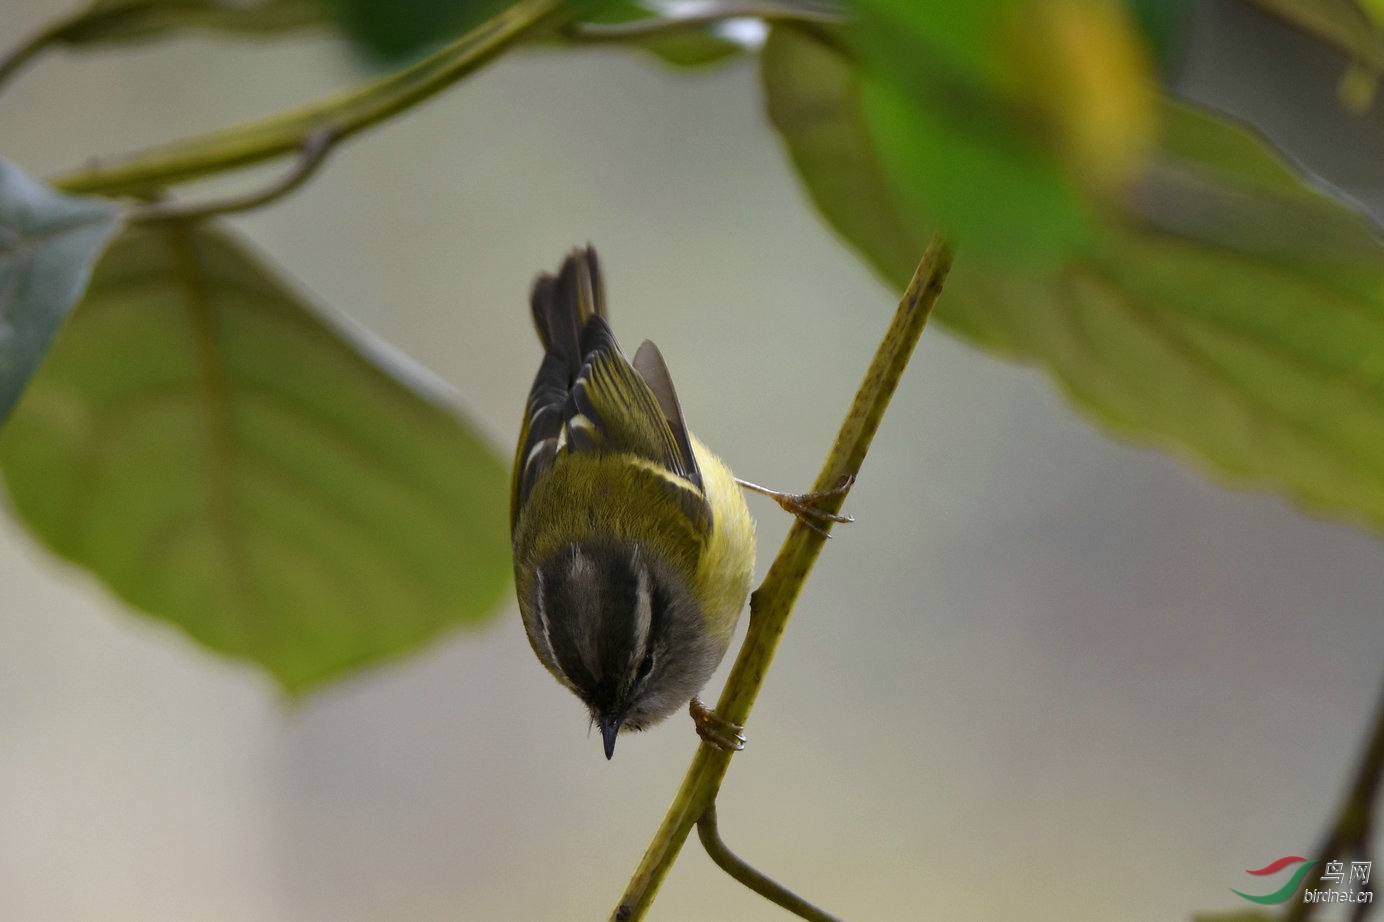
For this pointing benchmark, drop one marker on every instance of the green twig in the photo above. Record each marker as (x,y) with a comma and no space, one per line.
(733,865)
(133,19)
(343,114)
(14,58)
(772,602)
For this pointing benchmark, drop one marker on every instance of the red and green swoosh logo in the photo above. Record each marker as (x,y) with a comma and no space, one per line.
(1285,892)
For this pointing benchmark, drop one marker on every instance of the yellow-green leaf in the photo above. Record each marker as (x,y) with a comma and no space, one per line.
(225,460)
(1231,313)
(1006,122)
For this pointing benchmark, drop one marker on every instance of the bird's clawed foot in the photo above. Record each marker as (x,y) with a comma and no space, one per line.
(712,728)
(805,505)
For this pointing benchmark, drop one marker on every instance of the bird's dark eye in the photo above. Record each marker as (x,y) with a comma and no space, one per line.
(645,667)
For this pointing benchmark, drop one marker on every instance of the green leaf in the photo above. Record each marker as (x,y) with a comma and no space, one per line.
(692,49)
(812,93)
(1163,24)
(1002,198)
(958,35)
(48,243)
(1233,313)
(223,459)
(1217,182)
(125,20)
(1004,121)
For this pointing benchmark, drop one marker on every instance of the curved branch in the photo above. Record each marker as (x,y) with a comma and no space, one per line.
(772,603)
(344,114)
(314,152)
(141,18)
(14,58)
(736,867)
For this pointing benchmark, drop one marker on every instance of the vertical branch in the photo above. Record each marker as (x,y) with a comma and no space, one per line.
(772,603)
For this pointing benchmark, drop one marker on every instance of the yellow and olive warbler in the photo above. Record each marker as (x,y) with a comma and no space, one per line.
(633,547)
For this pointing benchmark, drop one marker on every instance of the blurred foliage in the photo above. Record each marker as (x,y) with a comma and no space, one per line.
(1004,122)
(1171,272)
(1163,24)
(48,244)
(223,459)
(1222,306)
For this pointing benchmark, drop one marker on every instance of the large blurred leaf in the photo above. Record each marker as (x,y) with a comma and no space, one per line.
(121,20)
(1165,25)
(223,459)
(1231,312)
(1375,10)
(1004,119)
(48,243)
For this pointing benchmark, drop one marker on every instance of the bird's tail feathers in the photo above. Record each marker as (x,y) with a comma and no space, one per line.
(562,304)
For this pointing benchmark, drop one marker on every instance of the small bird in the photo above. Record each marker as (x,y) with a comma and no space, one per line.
(633,547)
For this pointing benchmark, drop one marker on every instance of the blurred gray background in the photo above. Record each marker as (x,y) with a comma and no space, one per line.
(1045,676)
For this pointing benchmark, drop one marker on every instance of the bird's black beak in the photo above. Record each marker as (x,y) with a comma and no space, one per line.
(610,726)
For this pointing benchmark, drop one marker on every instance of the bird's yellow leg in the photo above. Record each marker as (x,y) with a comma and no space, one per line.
(713,729)
(804,505)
